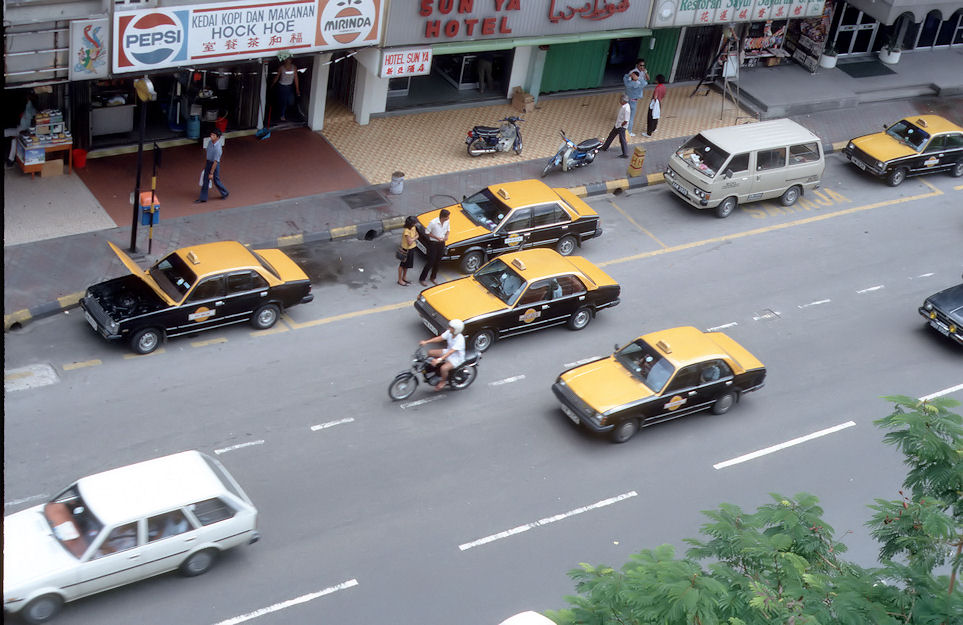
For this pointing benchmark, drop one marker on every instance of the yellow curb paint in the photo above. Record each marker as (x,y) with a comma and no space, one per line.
(345,231)
(208,342)
(350,315)
(655,179)
(579,191)
(293,239)
(14,317)
(636,224)
(612,185)
(17,376)
(80,365)
(70,300)
(839,145)
(393,222)
(153,353)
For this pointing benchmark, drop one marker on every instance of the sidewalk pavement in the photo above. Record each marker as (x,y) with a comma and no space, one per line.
(47,269)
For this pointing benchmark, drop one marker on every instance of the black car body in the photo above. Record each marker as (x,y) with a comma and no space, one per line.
(944,312)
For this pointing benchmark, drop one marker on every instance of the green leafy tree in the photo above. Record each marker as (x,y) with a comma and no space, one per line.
(784,564)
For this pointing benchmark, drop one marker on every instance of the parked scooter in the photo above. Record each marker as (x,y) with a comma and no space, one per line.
(461,377)
(488,139)
(570,156)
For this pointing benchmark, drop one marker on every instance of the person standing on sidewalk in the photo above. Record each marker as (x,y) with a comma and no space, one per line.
(409,237)
(286,78)
(437,231)
(655,106)
(634,82)
(621,123)
(212,169)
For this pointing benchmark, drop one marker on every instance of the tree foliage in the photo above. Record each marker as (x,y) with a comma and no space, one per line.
(782,563)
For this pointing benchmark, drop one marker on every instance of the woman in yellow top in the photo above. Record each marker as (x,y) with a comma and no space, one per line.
(408,240)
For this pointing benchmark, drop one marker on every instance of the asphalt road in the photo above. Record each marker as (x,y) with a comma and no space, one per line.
(468,507)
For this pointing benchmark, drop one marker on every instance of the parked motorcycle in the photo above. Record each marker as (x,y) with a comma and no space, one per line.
(570,156)
(405,383)
(488,139)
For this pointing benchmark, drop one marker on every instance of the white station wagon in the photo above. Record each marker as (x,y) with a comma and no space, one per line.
(120,526)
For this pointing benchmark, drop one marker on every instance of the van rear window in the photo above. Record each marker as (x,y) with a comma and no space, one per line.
(702,155)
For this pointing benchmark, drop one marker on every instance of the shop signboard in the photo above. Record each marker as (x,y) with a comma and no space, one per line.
(704,12)
(151,39)
(88,49)
(420,22)
(399,62)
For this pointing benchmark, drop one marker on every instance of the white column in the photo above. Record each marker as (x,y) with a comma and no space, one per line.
(370,91)
(520,67)
(318,93)
(536,67)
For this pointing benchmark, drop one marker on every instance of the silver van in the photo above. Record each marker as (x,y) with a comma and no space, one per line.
(723,167)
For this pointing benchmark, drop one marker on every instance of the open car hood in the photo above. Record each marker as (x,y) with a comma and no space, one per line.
(135,269)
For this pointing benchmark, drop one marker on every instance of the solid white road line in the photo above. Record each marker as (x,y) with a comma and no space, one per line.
(945,391)
(872,288)
(224,450)
(15,502)
(287,604)
(722,327)
(321,426)
(420,402)
(816,303)
(781,446)
(546,521)
(514,378)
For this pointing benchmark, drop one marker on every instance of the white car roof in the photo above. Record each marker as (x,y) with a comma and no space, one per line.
(150,487)
(527,618)
(759,135)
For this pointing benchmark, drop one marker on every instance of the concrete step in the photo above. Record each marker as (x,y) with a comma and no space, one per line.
(898,93)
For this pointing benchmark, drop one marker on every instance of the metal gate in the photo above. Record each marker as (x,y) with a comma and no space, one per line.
(699,47)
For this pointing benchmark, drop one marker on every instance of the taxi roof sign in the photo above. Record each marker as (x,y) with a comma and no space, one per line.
(664,347)
(517,262)
(191,256)
(502,192)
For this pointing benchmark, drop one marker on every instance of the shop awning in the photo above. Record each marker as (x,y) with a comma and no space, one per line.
(463,47)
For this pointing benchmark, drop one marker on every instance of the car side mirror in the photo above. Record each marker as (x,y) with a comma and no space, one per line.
(616,348)
(464,197)
(885,126)
(728,174)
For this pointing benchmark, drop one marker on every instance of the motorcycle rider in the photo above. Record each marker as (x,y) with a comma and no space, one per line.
(454,352)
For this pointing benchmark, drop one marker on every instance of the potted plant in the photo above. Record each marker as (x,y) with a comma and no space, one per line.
(891,52)
(828,57)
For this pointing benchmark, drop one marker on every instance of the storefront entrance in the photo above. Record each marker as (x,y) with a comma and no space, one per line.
(454,78)
(855,31)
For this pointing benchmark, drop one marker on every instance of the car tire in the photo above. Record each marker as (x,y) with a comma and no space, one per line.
(41,609)
(477,148)
(198,563)
(403,386)
(146,340)
(724,402)
(625,430)
(265,317)
(896,177)
(471,262)
(462,378)
(790,195)
(482,340)
(957,170)
(566,245)
(726,207)
(581,318)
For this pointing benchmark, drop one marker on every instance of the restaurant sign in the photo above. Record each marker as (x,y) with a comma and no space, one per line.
(704,12)
(152,39)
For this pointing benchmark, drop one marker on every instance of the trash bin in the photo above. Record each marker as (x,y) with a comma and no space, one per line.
(147,218)
(80,157)
(397,183)
(194,127)
(635,165)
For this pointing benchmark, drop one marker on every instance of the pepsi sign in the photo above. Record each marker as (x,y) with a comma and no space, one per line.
(150,39)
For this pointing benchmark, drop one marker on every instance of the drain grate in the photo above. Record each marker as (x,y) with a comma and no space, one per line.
(364,199)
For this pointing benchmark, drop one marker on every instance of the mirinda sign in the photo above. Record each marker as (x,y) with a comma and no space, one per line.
(157,38)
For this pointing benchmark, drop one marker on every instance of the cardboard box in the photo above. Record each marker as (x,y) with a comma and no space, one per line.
(521,101)
(52,168)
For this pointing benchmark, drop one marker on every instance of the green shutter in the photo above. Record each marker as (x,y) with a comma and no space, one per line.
(571,66)
(658,60)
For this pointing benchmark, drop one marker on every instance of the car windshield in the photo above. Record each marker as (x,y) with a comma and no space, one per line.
(646,363)
(484,209)
(71,521)
(266,265)
(702,155)
(501,280)
(173,275)
(910,134)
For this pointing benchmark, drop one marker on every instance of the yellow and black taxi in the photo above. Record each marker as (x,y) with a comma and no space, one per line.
(519,292)
(943,312)
(513,216)
(921,144)
(658,376)
(193,289)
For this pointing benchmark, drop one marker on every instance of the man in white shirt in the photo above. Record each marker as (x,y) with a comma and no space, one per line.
(621,123)
(437,232)
(454,352)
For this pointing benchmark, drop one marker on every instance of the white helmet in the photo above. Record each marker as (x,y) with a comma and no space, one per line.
(457,325)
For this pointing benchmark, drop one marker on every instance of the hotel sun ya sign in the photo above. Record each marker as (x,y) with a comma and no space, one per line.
(153,39)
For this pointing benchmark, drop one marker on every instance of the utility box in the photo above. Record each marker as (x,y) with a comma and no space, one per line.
(147,217)
(523,102)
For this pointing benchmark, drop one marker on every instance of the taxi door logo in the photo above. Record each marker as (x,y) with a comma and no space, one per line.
(530,315)
(675,402)
(931,161)
(151,39)
(201,314)
(346,22)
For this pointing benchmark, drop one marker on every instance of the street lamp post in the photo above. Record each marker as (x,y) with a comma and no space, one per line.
(145,93)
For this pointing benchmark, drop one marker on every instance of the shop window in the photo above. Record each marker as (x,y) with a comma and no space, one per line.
(950,29)
(931,26)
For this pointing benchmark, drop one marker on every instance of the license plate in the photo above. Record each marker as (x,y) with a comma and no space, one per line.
(570,414)
(428,325)
(91,320)
(859,163)
(678,187)
(940,327)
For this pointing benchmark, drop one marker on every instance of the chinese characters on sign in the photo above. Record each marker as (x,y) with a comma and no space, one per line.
(696,12)
(397,62)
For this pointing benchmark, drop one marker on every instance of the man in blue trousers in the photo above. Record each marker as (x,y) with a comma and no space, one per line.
(212,169)
(634,82)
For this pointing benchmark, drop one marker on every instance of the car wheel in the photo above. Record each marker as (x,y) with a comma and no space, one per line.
(198,563)
(726,207)
(265,316)
(476,148)
(625,430)
(957,170)
(145,341)
(471,261)
(580,319)
(42,609)
(724,402)
(463,377)
(482,340)
(402,386)
(896,177)
(566,245)
(790,196)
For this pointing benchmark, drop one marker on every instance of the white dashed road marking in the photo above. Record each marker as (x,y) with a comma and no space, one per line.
(816,303)
(33,376)
(731,324)
(546,521)
(945,391)
(224,450)
(925,275)
(870,289)
(419,402)
(781,446)
(290,602)
(329,424)
(514,378)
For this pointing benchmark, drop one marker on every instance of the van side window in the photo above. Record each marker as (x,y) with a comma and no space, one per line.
(165,525)
(803,153)
(212,511)
(770,159)
(739,164)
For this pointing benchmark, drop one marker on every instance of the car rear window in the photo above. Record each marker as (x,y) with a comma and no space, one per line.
(212,511)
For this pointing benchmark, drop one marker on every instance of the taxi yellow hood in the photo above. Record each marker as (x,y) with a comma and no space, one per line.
(605,384)
(460,227)
(462,299)
(135,269)
(882,147)
(283,264)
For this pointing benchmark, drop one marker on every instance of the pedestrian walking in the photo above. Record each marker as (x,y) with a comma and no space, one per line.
(484,62)
(655,106)
(406,253)
(621,123)
(437,232)
(286,78)
(634,82)
(212,168)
